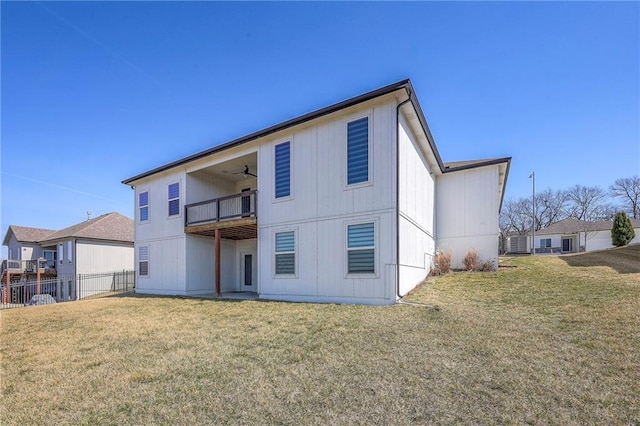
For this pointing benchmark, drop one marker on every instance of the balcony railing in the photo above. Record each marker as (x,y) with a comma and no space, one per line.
(236,206)
(21,266)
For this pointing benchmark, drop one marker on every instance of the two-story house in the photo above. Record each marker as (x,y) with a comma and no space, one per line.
(101,244)
(345,204)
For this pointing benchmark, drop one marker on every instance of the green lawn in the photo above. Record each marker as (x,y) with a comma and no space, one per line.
(543,340)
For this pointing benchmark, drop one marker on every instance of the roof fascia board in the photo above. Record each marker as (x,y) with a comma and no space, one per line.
(480,163)
(425,126)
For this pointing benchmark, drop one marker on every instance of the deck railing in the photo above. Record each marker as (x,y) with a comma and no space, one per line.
(20,266)
(236,206)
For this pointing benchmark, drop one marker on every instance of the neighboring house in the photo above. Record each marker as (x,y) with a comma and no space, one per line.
(345,204)
(102,244)
(24,249)
(573,235)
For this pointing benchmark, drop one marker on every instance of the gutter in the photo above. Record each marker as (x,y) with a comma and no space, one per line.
(410,94)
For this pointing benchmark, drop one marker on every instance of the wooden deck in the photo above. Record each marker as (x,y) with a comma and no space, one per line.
(237,229)
(234,215)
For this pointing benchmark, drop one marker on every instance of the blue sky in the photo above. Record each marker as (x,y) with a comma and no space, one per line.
(96,92)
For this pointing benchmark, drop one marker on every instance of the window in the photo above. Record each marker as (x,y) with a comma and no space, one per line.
(361,249)
(143,261)
(69,251)
(174,199)
(545,242)
(143,206)
(358,151)
(283,170)
(285,253)
(50,257)
(60,252)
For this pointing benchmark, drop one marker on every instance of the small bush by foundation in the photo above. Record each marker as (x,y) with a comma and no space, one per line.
(471,260)
(441,263)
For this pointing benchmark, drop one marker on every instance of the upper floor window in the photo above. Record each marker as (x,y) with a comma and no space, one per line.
(50,257)
(143,206)
(358,151)
(69,251)
(174,199)
(283,170)
(361,248)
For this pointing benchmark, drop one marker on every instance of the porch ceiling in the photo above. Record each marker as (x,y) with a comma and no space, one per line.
(231,170)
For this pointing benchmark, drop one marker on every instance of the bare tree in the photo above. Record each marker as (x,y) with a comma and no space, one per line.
(551,207)
(628,189)
(516,216)
(588,203)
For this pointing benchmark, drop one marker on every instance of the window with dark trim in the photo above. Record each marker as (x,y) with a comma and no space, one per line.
(285,253)
(361,248)
(174,199)
(143,206)
(143,261)
(283,170)
(358,151)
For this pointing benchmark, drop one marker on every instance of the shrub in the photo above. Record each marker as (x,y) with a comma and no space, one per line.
(441,263)
(622,232)
(487,266)
(471,260)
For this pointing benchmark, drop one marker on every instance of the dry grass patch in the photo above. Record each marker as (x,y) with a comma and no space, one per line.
(539,342)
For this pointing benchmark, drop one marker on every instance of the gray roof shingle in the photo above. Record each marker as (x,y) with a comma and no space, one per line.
(26,234)
(572,226)
(111,227)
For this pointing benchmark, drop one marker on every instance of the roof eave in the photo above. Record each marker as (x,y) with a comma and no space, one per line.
(403,84)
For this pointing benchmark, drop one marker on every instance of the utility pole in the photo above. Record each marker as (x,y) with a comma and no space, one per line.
(533,227)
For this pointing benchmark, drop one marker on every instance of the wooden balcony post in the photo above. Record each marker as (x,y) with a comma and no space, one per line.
(217,236)
(5,289)
(38,281)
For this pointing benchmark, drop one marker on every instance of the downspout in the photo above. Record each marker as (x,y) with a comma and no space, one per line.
(398,191)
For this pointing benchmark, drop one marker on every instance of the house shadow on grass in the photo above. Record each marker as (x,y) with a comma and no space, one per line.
(625,260)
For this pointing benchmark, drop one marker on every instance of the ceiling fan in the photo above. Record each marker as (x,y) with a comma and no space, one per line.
(245,172)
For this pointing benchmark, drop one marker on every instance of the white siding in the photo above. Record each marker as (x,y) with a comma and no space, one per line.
(321,205)
(202,186)
(163,235)
(601,240)
(200,265)
(467,205)
(416,206)
(97,257)
(167,273)
(321,267)
(160,225)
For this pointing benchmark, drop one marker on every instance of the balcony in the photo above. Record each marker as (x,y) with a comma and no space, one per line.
(18,267)
(234,215)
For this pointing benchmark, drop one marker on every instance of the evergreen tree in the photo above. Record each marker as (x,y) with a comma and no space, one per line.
(622,232)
